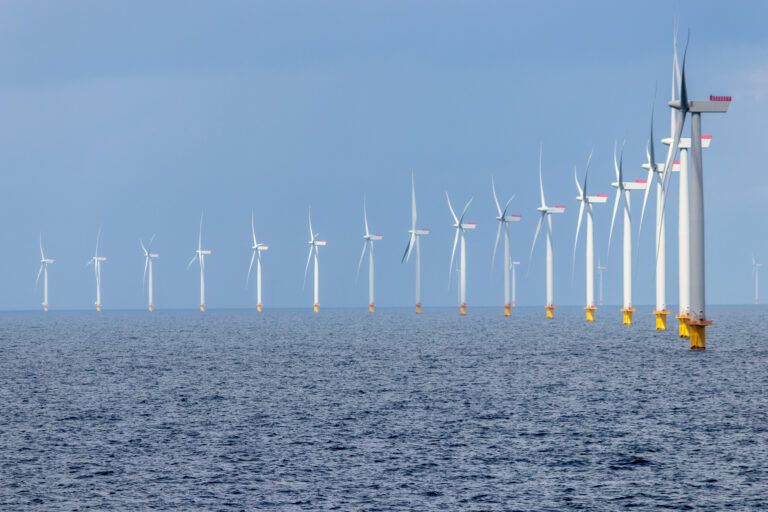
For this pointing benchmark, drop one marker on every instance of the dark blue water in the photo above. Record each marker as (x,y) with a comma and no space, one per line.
(349,411)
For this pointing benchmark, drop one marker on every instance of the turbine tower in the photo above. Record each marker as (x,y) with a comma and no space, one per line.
(586,202)
(96,261)
(546,211)
(415,245)
(461,227)
(514,284)
(623,188)
(697,321)
(368,242)
(44,262)
(600,269)
(148,257)
(755,273)
(256,255)
(314,243)
(200,255)
(504,220)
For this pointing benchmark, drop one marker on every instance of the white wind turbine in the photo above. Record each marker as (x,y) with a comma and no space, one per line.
(623,188)
(148,257)
(96,261)
(586,202)
(546,211)
(256,255)
(697,321)
(504,220)
(461,227)
(200,255)
(314,243)
(44,262)
(414,245)
(368,243)
(755,273)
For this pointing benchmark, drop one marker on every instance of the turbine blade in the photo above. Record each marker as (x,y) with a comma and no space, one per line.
(39,272)
(408,248)
(541,181)
(578,185)
(362,255)
(535,236)
(253,230)
(464,212)
(495,197)
(506,206)
(191,261)
(496,243)
(413,203)
(98,236)
(576,240)
(453,214)
(42,256)
(143,248)
(311,233)
(309,258)
(613,217)
(453,253)
(200,235)
(250,266)
(365,217)
(586,171)
(146,264)
(151,240)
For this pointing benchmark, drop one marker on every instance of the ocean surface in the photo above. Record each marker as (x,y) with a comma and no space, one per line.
(287,410)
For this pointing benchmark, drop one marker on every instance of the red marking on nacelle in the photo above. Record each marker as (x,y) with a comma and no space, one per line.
(706,136)
(641,181)
(602,195)
(514,215)
(676,162)
(719,98)
(559,206)
(471,223)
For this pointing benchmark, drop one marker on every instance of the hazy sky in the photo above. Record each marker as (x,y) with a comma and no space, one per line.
(138,116)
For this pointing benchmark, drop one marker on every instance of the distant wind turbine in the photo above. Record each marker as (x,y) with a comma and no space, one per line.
(504,220)
(257,249)
(200,255)
(461,227)
(314,243)
(368,240)
(44,262)
(414,245)
(97,261)
(148,257)
(756,274)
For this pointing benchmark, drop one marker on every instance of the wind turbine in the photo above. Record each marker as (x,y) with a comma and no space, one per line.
(755,273)
(96,261)
(314,243)
(256,255)
(623,188)
(504,221)
(586,202)
(697,321)
(514,283)
(461,227)
(148,257)
(414,244)
(200,255)
(44,262)
(600,269)
(546,211)
(368,242)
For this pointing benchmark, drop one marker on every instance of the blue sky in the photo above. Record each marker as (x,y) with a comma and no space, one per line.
(139,116)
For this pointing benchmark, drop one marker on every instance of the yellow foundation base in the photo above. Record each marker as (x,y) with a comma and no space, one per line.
(627,315)
(550,311)
(202,307)
(45,307)
(698,334)
(590,313)
(418,309)
(463,309)
(507,309)
(661,320)
(258,308)
(682,327)
(371,307)
(316,307)
(150,308)
(98,307)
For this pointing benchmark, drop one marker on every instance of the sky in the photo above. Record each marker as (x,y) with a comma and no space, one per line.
(138,117)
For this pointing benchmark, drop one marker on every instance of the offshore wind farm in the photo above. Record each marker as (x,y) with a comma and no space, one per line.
(491,346)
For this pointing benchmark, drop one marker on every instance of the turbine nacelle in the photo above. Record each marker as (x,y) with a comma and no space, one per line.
(46,261)
(685,143)
(153,255)
(373,237)
(467,225)
(203,251)
(551,209)
(631,185)
(508,218)
(419,232)
(599,198)
(261,247)
(99,258)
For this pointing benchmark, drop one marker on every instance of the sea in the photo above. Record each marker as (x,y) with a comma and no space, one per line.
(392,411)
